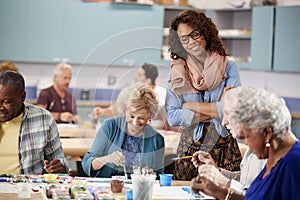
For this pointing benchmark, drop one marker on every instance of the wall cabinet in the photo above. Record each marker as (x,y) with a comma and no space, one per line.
(44,33)
(13,23)
(86,33)
(263,38)
(127,34)
(248,35)
(287,40)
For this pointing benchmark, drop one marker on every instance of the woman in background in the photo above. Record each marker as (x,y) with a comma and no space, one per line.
(200,72)
(127,140)
(4,66)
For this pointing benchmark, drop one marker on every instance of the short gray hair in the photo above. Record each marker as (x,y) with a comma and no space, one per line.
(61,66)
(258,108)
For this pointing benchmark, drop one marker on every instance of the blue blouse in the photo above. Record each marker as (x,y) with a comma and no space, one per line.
(283,182)
(179,117)
(110,138)
(132,149)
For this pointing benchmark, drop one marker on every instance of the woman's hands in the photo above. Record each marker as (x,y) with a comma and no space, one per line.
(202,157)
(116,157)
(210,181)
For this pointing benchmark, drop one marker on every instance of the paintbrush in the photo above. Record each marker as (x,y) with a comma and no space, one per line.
(183,157)
(125,173)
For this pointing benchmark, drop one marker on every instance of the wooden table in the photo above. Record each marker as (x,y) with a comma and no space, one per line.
(77,141)
(12,196)
(75,131)
(10,191)
(78,146)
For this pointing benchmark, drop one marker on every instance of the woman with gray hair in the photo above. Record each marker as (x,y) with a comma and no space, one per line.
(127,141)
(264,121)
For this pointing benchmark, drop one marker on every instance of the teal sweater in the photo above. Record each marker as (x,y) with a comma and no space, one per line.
(110,138)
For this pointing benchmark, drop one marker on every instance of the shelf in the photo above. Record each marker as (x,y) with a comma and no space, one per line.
(240,59)
(235,34)
(142,3)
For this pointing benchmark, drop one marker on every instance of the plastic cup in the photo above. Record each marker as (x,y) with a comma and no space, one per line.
(165,179)
(117,183)
(24,190)
(143,186)
(129,195)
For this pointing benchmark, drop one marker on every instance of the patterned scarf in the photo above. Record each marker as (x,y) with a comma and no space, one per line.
(190,76)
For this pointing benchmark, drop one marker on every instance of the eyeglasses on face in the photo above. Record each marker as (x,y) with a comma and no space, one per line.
(195,34)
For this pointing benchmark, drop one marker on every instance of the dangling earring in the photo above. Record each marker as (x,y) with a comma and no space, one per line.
(268,145)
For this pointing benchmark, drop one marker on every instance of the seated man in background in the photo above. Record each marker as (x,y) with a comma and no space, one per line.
(29,141)
(57,99)
(147,73)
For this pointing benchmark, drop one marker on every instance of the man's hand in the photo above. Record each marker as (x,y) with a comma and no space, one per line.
(54,167)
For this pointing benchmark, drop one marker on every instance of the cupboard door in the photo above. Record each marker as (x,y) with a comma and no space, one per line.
(79,30)
(287,40)
(262,38)
(45,28)
(247,35)
(14,29)
(127,34)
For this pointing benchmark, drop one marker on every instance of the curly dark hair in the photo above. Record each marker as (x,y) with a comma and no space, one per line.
(199,21)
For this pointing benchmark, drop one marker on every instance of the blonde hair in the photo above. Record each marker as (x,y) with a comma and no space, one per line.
(8,66)
(136,97)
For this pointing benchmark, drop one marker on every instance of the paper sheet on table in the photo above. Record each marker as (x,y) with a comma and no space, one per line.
(9,188)
(105,182)
(174,192)
(71,126)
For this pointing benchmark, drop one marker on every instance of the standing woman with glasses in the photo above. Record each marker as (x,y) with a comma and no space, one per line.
(200,74)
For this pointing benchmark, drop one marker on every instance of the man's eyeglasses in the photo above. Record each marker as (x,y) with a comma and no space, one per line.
(195,34)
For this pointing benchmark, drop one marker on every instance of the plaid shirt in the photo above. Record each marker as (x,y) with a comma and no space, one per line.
(38,140)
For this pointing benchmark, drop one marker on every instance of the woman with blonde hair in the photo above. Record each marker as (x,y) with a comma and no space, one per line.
(8,66)
(127,140)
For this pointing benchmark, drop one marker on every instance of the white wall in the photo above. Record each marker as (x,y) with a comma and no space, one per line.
(90,77)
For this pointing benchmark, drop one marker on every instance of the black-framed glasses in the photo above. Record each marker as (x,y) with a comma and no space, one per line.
(195,34)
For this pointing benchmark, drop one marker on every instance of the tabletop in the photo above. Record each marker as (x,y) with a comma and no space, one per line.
(177,190)
(77,141)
